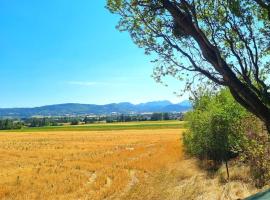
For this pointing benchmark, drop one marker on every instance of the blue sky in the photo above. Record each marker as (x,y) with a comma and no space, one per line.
(60,51)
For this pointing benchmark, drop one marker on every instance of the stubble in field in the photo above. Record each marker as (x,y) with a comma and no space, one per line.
(133,164)
(82,165)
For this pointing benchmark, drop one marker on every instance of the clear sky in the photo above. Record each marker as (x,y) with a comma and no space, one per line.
(61,51)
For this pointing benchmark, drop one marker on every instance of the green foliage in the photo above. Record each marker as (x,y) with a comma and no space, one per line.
(156,116)
(235,27)
(8,124)
(213,126)
(75,122)
(166,116)
(39,122)
(160,116)
(88,120)
(256,150)
(220,128)
(225,43)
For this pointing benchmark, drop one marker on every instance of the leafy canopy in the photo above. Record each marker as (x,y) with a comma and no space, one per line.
(214,126)
(225,42)
(238,29)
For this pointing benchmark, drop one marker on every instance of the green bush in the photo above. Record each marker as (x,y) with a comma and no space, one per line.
(256,150)
(219,129)
(213,126)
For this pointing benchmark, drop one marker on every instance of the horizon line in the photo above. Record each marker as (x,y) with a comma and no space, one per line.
(93,104)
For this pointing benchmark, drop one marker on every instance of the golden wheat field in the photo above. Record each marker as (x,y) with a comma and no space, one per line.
(97,165)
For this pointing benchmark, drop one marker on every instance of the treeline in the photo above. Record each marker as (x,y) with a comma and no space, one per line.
(8,124)
(51,121)
(39,122)
(123,118)
(219,130)
(146,117)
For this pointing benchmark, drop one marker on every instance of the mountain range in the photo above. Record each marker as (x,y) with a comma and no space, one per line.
(93,109)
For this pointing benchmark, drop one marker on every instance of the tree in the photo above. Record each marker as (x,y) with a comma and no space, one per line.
(156,116)
(74,122)
(225,42)
(8,124)
(166,116)
(34,122)
(45,122)
(89,120)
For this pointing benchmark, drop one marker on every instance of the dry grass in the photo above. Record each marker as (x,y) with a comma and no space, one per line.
(133,164)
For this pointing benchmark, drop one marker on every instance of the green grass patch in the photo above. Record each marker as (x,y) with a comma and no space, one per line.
(108,127)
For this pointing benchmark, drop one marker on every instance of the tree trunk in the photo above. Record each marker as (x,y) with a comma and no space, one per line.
(227,169)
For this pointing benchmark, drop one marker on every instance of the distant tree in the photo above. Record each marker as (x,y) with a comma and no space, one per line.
(39,122)
(34,122)
(225,42)
(122,118)
(74,122)
(165,116)
(128,118)
(54,123)
(64,120)
(85,120)
(89,120)
(8,124)
(17,125)
(109,120)
(156,116)
(45,122)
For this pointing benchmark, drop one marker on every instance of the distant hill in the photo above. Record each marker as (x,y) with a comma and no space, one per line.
(88,109)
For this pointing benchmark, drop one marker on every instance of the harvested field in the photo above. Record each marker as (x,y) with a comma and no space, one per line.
(95,165)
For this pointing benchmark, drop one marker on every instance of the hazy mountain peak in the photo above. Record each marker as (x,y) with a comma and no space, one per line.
(86,109)
(157,103)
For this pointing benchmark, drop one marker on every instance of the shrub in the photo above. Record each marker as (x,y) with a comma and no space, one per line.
(213,127)
(256,150)
(219,129)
